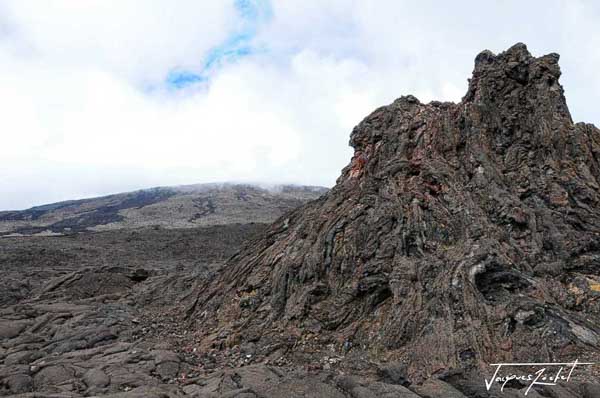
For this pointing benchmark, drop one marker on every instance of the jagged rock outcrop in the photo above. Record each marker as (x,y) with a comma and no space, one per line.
(459,235)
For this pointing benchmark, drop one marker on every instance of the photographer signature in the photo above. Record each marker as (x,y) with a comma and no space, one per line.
(540,377)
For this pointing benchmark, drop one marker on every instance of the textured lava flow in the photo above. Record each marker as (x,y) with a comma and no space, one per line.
(459,235)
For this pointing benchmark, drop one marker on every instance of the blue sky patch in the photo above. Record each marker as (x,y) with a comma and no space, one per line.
(238,45)
(180,79)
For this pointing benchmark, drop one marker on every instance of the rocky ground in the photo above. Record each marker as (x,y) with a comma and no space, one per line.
(83,314)
(99,314)
(103,314)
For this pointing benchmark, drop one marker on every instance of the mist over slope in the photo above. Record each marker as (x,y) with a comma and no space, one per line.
(185,206)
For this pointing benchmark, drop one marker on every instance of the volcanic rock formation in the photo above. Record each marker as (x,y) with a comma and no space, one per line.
(459,235)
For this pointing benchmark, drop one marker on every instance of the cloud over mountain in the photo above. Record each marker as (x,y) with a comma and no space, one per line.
(101,96)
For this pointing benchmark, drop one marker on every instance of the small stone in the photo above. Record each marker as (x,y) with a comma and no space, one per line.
(96,378)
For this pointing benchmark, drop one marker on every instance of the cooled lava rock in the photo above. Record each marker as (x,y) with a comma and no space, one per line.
(460,234)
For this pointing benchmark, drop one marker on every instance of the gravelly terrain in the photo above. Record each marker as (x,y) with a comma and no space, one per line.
(103,314)
(82,314)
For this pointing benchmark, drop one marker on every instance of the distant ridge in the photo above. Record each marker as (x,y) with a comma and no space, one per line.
(184,206)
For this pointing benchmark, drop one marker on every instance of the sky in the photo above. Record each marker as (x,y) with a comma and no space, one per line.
(107,96)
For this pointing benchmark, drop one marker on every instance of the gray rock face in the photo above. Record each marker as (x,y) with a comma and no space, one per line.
(458,236)
(8,330)
(96,378)
(438,389)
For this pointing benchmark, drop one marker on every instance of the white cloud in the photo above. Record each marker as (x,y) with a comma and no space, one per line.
(85,110)
(139,39)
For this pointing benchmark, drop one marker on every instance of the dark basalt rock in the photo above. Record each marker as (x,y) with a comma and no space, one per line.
(458,236)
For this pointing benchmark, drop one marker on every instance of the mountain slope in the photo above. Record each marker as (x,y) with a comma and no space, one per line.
(170,207)
(459,235)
